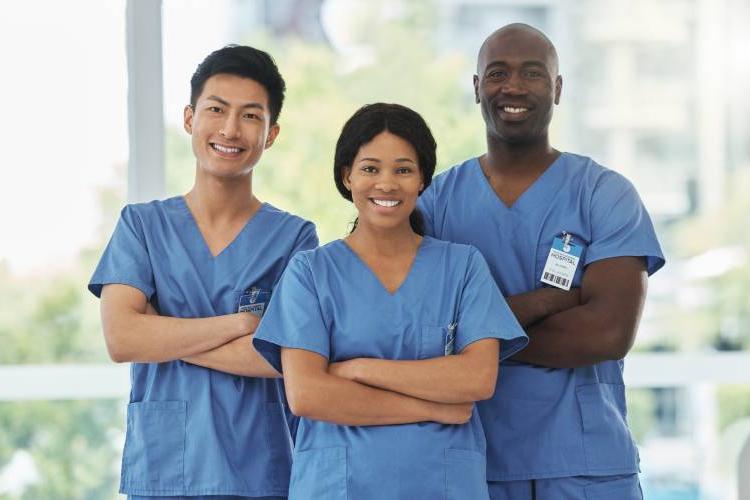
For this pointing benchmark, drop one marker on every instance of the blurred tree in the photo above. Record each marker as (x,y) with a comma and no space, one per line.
(711,307)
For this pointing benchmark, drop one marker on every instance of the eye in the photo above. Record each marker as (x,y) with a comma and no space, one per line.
(252,116)
(533,73)
(497,73)
(404,170)
(214,109)
(369,169)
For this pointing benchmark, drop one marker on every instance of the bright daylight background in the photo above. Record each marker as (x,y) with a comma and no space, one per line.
(656,89)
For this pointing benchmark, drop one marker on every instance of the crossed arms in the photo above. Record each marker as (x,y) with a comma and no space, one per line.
(580,327)
(587,326)
(134,332)
(441,389)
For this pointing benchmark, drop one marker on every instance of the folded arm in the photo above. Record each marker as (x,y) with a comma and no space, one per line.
(536,305)
(133,335)
(462,378)
(602,328)
(316,394)
(237,357)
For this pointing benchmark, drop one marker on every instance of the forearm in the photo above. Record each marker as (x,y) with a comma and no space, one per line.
(345,402)
(140,337)
(237,357)
(577,337)
(447,379)
(602,328)
(536,305)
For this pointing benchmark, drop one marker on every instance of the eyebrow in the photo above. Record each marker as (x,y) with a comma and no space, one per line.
(397,159)
(227,103)
(524,64)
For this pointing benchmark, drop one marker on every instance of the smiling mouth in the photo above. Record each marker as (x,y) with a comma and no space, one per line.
(385,203)
(230,150)
(514,110)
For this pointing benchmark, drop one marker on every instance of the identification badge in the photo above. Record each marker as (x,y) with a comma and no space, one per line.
(254,300)
(562,262)
(450,339)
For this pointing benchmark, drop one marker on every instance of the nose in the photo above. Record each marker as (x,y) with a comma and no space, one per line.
(386,183)
(513,85)
(230,128)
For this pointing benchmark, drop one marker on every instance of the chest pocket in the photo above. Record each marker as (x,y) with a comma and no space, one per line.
(252,299)
(434,340)
(543,252)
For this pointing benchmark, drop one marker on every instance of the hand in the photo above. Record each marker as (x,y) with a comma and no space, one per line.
(344,369)
(453,413)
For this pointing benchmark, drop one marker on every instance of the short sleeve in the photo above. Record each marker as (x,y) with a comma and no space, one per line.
(293,318)
(620,224)
(483,312)
(126,259)
(307,238)
(426,207)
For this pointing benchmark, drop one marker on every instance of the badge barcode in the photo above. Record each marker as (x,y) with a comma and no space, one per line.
(558,280)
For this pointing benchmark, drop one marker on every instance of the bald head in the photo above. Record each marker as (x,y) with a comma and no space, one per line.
(519,37)
(517,85)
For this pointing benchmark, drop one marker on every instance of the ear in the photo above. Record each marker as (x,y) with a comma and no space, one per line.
(346,173)
(187,116)
(558,88)
(476,89)
(273,133)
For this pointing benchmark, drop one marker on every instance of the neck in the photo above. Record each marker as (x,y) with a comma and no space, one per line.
(385,242)
(217,199)
(527,158)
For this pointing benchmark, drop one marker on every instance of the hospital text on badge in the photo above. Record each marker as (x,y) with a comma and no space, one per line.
(562,262)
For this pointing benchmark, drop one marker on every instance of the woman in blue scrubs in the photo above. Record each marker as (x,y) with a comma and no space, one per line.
(206,420)
(387,338)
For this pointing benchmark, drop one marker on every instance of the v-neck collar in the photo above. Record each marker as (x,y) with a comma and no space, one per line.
(538,186)
(413,268)
(199,235)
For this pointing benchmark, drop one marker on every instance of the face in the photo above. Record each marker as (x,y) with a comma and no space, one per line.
(385,181)
(230,125)
(517,85)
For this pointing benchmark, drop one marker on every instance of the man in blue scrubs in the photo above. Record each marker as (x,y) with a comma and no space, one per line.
(570,245)
(183,283)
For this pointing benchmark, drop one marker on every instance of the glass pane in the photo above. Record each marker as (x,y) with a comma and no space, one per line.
(64,174)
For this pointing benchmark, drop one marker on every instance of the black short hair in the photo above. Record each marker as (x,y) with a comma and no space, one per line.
(373,119)
(247,62)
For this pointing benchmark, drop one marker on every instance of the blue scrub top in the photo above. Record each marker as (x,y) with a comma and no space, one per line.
(545,422)
(330,302)
(192,430)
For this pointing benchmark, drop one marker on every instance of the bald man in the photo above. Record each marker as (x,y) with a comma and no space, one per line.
(570,245)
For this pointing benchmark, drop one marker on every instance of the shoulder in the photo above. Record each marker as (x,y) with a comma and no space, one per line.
(453,175)
(593,175)
(283,217)
(318,257)
(140,214)
(457,252)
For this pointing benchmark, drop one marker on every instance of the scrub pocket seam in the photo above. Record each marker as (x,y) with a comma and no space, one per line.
(431,341)
(154,422)
(465,475)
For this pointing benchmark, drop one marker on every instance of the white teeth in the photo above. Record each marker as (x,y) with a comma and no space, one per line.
(386,203)
(224,149)
(509,109)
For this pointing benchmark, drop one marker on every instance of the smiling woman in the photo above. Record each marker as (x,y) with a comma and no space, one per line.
(387,327)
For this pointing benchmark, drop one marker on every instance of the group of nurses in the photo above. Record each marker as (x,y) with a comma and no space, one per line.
(387,337)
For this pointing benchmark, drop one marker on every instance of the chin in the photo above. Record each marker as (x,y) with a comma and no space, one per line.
(228,173)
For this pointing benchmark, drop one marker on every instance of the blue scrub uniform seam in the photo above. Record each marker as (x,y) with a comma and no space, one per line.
(186,492)
(599,471)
